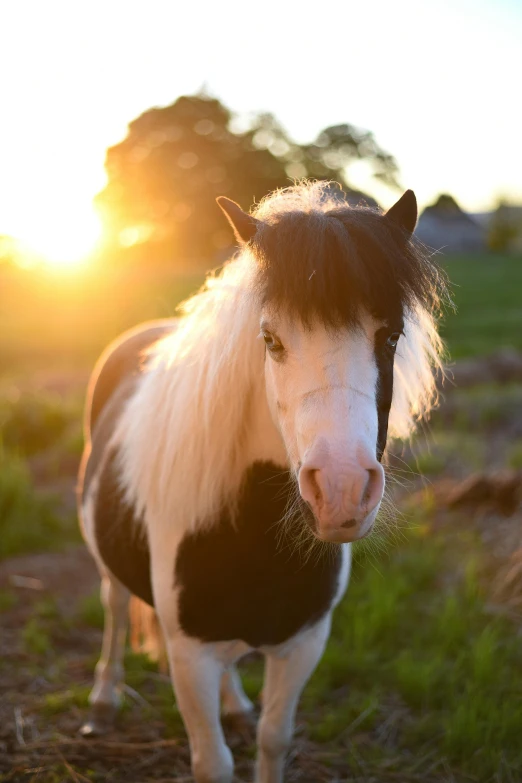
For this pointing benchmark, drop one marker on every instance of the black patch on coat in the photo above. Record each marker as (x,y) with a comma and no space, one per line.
(120,538)
(384,358)
(240,581)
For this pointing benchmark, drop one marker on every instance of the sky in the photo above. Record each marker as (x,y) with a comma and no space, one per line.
(436,81)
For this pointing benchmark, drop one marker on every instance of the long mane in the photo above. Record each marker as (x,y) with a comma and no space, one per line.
(184,434)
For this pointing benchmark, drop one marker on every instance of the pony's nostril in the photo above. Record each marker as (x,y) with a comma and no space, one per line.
(374,488)
(309,487)
(367,490)
(315,485)
(349,523)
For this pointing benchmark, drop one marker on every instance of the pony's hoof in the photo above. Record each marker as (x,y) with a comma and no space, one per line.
(100,722)
(240,727)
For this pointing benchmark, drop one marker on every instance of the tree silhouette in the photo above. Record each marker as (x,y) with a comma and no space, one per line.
(164,177)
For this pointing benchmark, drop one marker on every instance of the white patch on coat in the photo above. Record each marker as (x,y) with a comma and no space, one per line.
(322,391)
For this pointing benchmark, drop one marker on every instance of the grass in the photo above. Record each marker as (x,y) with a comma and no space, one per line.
(35,637)
(63,701)
(29,520)
(36,420)
(515,455)
(8,599)
(40,444)
(46,609)
(486,291)
(447,448)
(406,640)
(483,406)
(39,629)
(90,611)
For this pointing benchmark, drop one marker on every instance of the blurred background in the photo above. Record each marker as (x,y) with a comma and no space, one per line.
(120,124)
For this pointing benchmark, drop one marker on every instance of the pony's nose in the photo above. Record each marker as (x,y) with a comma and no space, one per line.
(337,500)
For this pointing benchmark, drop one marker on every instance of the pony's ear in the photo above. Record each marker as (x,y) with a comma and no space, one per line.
(404,212)
(244,225)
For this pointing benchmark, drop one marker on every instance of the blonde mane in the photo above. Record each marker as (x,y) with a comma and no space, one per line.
(184,434)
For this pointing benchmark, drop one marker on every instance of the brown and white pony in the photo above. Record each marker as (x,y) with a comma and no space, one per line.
(235,452)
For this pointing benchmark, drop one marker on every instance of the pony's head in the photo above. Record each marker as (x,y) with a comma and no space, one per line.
(344,295)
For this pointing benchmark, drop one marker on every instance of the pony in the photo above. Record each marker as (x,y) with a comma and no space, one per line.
(234,453)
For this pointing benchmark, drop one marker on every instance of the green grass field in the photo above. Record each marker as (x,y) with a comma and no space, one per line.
(487,291)
(422,678)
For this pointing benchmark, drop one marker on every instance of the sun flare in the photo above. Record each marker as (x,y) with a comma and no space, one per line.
(63,244)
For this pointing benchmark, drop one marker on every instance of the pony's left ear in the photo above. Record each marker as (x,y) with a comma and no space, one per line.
(404,212)
(244,225)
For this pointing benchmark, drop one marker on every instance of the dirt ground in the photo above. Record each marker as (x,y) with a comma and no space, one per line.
(36,748)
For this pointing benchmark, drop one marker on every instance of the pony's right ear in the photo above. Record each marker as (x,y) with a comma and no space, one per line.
(244,225)
(404,212)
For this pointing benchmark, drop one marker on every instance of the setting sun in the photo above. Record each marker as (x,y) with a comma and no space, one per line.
(65,242)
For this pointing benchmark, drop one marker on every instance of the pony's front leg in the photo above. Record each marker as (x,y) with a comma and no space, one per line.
(196,675)
(108,679)
(285,677)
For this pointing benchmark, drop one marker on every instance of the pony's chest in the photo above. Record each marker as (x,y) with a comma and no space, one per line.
(245,581)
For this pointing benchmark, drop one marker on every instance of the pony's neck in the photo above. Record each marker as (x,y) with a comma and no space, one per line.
(200,416)
(264,442)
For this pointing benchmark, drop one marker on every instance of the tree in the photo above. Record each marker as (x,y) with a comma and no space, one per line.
(164,177)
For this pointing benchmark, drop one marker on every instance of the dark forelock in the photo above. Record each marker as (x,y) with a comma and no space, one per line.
(330,265)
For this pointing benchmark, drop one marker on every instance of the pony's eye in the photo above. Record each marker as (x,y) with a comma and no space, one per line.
(393,339)
(273,343)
